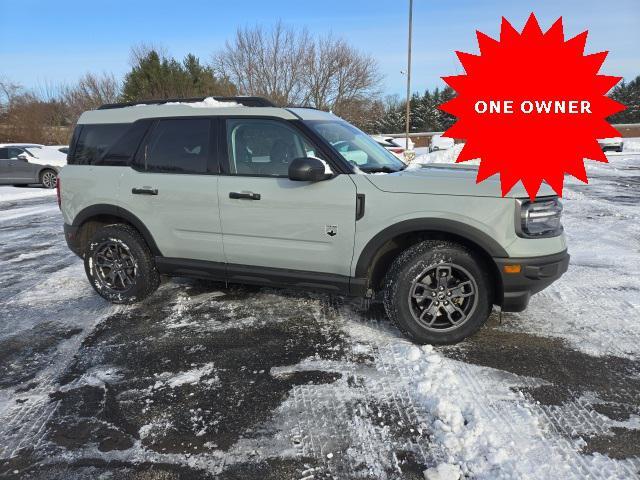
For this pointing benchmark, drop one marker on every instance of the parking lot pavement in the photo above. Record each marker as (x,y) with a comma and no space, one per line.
(204,380)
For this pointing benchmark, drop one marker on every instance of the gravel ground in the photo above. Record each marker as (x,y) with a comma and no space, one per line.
(204,380)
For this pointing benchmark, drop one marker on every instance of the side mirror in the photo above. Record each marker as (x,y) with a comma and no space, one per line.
(22,157)
(308,169)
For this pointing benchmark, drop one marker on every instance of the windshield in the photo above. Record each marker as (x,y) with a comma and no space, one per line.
(356,147)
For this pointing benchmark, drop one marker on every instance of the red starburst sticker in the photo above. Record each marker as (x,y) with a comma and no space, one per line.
(531,106)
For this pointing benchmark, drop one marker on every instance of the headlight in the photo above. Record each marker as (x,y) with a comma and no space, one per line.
(539,219)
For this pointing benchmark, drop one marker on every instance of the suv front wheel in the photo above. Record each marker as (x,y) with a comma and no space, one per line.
(436,292)
(119,265)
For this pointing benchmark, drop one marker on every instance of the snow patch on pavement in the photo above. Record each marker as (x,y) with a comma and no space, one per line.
(10,194)
(16,213)
(178,379)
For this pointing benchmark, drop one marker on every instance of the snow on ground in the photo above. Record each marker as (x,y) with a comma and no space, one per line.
(631,144)
(423,156)
(602,222)
(9,194)
(241,382)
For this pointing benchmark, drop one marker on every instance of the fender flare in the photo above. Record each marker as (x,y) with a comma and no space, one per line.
(115,211)
(439,225)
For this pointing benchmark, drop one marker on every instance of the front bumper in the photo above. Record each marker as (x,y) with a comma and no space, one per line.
(72,236)
(536,274)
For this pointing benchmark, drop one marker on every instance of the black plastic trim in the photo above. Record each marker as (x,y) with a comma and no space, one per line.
(191,268)
(439,225)
(536,274)
(264,276)
(360,204)
(106,209)
(72,238)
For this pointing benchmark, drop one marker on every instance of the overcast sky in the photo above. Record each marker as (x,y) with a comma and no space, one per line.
(57,41)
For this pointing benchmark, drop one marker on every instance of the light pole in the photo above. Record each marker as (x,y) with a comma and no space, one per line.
(408,112)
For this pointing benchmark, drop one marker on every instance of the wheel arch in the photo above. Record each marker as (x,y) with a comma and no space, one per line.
(378,254)
(102,214)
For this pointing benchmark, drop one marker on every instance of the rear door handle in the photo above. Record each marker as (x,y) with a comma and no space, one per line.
(144,191)
(245,195)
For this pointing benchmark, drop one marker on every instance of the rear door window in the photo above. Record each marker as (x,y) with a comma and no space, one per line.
(177,146)
(125,147)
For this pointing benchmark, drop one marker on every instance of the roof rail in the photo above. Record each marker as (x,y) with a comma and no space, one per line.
(246,101)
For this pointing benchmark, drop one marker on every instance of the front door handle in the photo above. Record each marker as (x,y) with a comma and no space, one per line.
(144,191)
(245,195)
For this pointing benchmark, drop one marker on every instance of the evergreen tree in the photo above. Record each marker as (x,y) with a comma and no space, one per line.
(629,95)
(156,77)
(431,120)
(393,118)
(446,120)
(418,113)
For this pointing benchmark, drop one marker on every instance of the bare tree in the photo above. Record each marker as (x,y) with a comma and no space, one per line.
(338,76)
(89,93)
(269,62)
(8,92)
(291,67)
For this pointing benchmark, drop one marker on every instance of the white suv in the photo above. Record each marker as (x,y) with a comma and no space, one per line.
(238,190)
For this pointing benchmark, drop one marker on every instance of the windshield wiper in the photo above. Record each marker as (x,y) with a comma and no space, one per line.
(381,170)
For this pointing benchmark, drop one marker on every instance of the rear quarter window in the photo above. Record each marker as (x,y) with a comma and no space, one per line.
(107,144)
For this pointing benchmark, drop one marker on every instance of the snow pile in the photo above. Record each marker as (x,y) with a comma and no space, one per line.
(208,102)
(631,144)
(472,445)
(444,471)
(441,156)
(485,429)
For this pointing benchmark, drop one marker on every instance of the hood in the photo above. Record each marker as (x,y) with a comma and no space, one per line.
(448,179)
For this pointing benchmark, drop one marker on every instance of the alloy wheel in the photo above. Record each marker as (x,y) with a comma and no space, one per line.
(443,297)
(115,266)
(49,179)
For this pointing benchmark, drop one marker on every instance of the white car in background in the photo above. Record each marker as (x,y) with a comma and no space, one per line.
(397,146)
(438,142)
(614,143)
(29,163)
(38,153)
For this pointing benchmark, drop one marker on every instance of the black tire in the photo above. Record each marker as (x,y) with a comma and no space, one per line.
(48,178)
(416,305)
(124,248)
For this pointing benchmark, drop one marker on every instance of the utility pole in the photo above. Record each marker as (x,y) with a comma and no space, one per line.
(408,113)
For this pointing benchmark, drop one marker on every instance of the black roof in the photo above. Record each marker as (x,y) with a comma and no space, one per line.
(246,101)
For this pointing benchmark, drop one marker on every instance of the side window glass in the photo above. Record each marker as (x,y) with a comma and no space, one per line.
(178,146)
(124,148)
(264,147)
(94,141)
(14,152)
(4,154)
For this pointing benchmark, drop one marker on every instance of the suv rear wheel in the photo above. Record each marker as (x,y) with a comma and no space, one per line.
(437,292)
(119,264)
